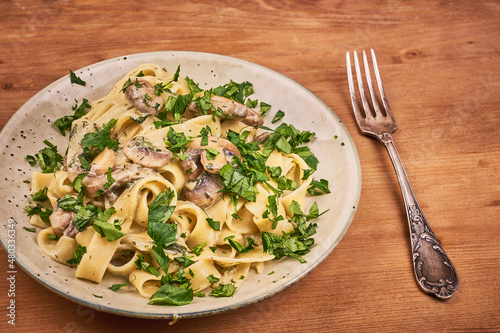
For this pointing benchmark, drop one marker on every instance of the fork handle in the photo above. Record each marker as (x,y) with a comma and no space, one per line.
(433,269)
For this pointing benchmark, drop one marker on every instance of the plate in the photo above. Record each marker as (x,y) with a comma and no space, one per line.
(33,122)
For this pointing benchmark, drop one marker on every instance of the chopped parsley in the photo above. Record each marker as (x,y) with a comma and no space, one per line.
(277,117)
(40,211)
(240,247)
(40,195)
(169,294)
(108,230)
(264,109)
(212,279)
(318,187)
(177,143)
(95,142)
(110,179)
(75,79)
(213,224)
(142,264)
(77,255)
(224,290)
(197,250)
(49,159)
(296,243)
(64,123)
(118,286)
(161,257)
(235,91)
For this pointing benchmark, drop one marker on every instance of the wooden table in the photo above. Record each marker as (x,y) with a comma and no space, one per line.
(440,63)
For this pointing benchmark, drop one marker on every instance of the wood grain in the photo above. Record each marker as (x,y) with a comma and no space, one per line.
(440,65)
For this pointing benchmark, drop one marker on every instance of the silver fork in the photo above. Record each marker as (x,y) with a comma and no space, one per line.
(433,269)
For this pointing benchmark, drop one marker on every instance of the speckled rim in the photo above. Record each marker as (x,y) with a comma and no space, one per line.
(349,144)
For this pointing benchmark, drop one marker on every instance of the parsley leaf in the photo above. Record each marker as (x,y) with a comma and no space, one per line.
(240,247)
(40,195)
(213,224)
(75,79)
(77,182)
(110,179)
(171,295)
(197,250)
(193,86)
(264,109)
(203,102)
(286,245)
(64,123)
(48,157)
(84,216)
(161,232)
(176,75)
(235,91)
(224,290)
(105,229)
(318,187)
(77,255)
(277,117)
(95,142)
(176,142)
(37,210)
(118,286)
(145,266)
(235,181)
(211,153)
(161,257)
(177,105)
(212,279)
(160,209)
(184,261)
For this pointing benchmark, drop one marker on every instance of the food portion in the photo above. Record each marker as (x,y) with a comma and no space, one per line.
(180,191)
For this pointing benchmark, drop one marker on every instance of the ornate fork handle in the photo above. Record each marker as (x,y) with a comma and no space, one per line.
(433,269)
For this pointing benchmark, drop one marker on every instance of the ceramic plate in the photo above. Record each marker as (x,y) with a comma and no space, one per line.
(26,130)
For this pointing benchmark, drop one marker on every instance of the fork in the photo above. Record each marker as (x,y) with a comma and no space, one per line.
(434,271)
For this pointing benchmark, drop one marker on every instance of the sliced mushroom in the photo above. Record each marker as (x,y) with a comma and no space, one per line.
(262,138)
(204,190)
(144,153)
(62,222)
(232,110)
(211,157)
(94,183)
(141,93)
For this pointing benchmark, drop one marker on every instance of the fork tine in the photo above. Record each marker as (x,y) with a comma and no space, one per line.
(376,105)
(380,87)
(366,105)
(355,105)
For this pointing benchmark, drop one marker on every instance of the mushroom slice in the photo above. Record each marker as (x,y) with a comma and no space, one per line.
(232,110)
(144,153)
(94,183)
(262,138)
(204,190)
(141,93)
(211,157)
(62,222)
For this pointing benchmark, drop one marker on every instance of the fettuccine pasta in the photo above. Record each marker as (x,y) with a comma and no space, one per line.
(178,190)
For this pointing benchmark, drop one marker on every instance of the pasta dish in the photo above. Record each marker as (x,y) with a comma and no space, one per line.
(181,191)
